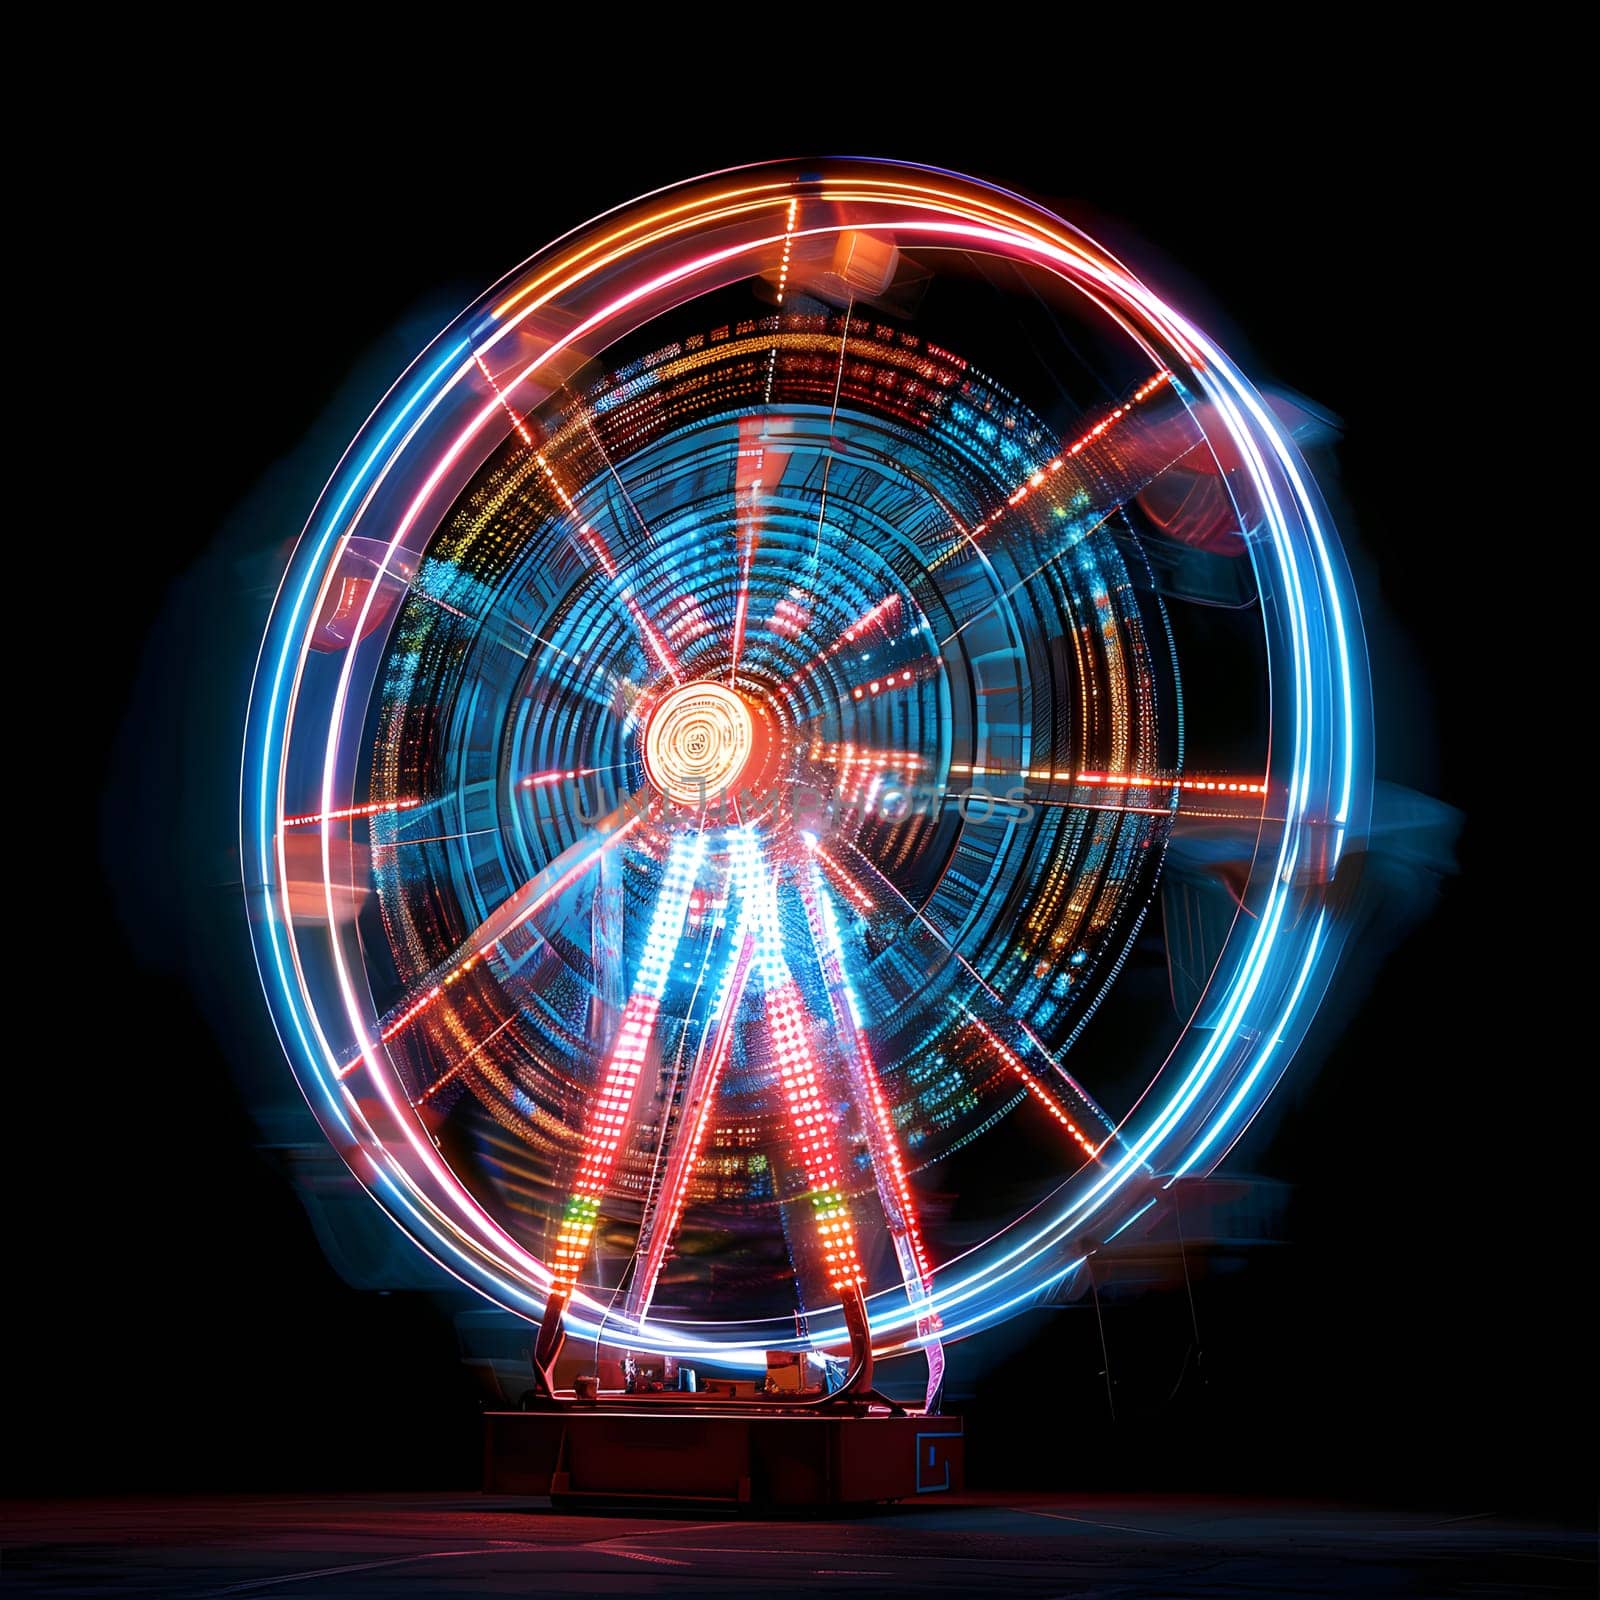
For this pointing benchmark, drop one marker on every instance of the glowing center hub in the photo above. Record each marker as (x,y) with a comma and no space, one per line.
(697,743)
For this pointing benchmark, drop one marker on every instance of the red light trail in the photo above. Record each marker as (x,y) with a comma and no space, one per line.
(1034,1087)
(377,808)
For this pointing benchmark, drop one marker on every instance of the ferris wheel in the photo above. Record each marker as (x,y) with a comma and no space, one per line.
(801,772)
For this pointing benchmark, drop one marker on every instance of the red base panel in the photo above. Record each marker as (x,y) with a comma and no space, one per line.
(709,1457)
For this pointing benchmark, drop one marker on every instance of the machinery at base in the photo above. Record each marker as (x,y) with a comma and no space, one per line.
(635,1430)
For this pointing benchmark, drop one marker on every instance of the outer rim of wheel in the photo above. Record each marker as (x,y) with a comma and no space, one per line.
(1274,967)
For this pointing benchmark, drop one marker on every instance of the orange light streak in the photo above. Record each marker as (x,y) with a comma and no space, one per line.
(372,810)
(1034,1087)
(841,875)
(1077,447)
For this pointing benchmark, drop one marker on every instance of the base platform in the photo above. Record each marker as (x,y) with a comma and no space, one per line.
(704,1457)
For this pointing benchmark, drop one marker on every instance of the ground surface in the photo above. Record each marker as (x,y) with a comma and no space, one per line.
(1012,1544)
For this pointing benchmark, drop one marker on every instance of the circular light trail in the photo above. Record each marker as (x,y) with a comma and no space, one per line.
(697,743)
(753,710)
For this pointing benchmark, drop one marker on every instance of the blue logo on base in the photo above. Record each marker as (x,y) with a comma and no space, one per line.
(931,1457)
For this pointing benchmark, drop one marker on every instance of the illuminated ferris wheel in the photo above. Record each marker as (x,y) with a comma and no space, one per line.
(799,774)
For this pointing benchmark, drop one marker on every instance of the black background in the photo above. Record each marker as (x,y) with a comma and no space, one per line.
(240,254)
